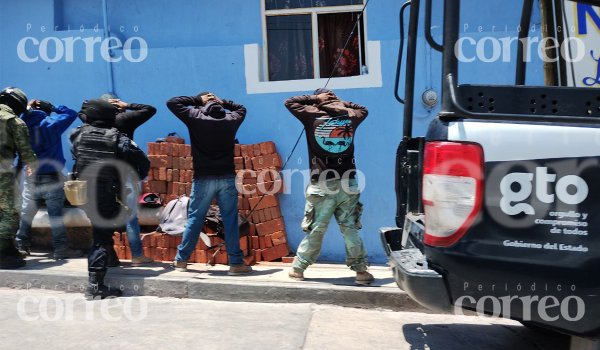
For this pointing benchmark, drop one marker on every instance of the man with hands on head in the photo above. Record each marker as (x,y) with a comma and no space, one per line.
(46,124)
(330,125)
(212,123)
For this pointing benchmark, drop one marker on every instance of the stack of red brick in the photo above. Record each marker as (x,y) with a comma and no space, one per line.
(257,168)
(171,169)
(163,247)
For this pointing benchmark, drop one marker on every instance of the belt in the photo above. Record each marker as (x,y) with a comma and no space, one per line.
(53,176)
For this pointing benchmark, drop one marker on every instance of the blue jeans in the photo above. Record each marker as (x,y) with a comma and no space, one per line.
(203,191)
(133,226)
(36,189)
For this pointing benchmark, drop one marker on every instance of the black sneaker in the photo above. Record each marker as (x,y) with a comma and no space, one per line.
(100,292)
(24,251)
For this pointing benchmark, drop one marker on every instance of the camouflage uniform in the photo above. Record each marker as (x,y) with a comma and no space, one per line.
(14,138)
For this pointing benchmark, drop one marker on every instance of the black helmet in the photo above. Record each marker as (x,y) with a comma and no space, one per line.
(15,98)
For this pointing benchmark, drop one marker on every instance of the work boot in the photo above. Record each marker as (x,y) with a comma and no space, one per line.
(296,275)
(236,270)
(24,251)
(180,265)
(364,278)
(141,261)
(10,257)
(67,253)
(96,290)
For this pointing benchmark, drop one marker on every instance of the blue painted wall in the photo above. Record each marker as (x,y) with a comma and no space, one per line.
(199,45)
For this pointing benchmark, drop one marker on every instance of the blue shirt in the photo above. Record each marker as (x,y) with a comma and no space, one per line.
(45,132)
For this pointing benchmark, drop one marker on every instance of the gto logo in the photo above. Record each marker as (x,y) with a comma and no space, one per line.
(517,187)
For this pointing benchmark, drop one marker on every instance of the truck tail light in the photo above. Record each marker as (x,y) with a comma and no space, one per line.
(452,190)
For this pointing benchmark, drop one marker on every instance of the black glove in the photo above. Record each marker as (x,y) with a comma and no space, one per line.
(45,106)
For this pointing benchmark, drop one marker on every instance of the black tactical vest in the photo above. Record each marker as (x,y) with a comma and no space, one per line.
(95,150)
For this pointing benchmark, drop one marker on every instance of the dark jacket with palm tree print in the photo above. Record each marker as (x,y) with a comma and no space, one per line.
(330,131)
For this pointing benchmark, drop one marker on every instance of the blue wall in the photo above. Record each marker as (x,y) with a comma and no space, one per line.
(199,45)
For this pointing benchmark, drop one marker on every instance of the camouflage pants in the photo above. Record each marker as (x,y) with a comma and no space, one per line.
(9,216)
(339,198)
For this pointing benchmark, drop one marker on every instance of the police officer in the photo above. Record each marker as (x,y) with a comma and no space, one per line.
(14,139)
(104,157)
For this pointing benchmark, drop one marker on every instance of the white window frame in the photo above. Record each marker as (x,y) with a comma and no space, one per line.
(314,12)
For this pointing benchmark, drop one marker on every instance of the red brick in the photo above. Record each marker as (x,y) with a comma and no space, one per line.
(162,174)
(267,148)
(146,187)
(269,254)
(201,256)
(277,234)
(268,216)
(201,245)
(250,260)
(148,251)
(268,241)
(146,240)
(287,259)
(176,163)
(244,243)
(153,149)
(262,242)
(171,253)
(187,150)
(243,151)
(163,241)
(237,150)
(279,241)
(258,203)
(257,255)
(154,161)
(214,240)
(188,189)
(248,163)
(221,258)
(163,149)
(282,250)
(169,147)
(158,186)
(252,230)
(254,242)
(256,149)
(189,163)
(175,139)
(269,227)
(169,198)
(276,212)
(267,161)
(263,214)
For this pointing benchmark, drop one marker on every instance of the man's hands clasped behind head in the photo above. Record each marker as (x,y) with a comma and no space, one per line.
(326,97)
(121,105)
(41,105)
(205,98)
